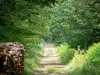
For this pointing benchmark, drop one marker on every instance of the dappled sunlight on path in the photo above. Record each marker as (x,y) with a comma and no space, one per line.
(50,63)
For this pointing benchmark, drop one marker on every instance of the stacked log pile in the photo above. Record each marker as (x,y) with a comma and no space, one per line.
(11,58)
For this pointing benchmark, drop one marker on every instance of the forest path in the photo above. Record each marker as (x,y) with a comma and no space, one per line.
(50,63)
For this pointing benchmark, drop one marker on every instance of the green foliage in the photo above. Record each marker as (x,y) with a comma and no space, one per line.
(92,64)
(86,64)
(93,54)
(76,64)
(91,70)
(65,53)
(32,58)
(76,22)
(24,21)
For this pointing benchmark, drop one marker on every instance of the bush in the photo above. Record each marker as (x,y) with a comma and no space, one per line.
(32,57)
(65,53)
(92,64)
(93,55)
(75,66)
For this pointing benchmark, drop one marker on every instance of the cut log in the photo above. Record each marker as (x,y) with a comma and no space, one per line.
(11,58)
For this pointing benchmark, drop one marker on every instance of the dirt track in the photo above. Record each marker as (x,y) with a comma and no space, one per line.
(51,61)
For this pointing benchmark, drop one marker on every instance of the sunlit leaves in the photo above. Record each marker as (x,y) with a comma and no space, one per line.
(76,21)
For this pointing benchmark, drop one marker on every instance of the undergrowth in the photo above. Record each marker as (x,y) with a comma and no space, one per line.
(86,64)
(65,53)
(32,58)
(92,64)
(75,66)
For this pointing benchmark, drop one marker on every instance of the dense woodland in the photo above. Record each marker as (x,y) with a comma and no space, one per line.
(71,24)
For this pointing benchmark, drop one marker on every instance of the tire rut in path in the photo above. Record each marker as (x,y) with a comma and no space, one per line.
(50,61)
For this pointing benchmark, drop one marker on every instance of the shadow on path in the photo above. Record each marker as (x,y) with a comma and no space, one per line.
(50,63)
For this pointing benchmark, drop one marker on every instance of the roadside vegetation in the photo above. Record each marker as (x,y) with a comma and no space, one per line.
(84,62)
(65,53)
(72,25)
